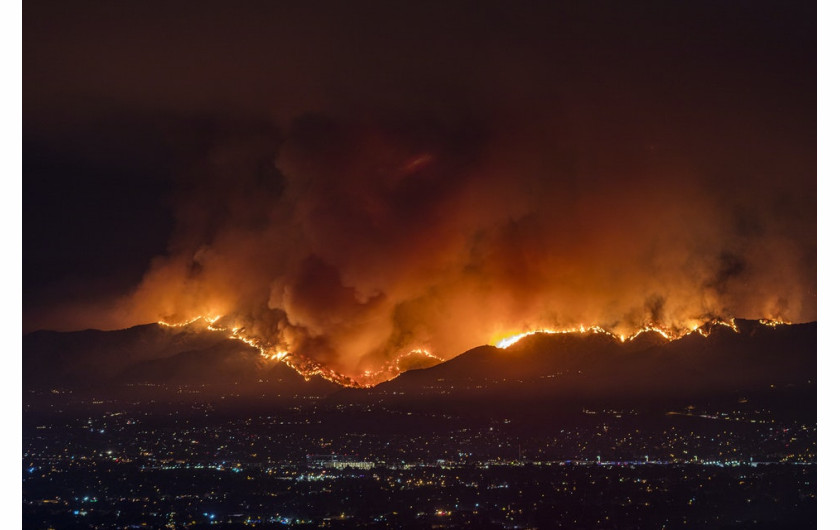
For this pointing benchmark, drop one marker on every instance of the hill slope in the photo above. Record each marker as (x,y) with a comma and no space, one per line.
(751,359)
(152,354)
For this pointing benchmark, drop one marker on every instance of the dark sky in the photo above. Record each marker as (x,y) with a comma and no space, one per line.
(365,177)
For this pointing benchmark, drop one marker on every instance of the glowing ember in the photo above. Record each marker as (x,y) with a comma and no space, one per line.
(655,329)
(392,369)
(509,341)
(773,322)
(665,333)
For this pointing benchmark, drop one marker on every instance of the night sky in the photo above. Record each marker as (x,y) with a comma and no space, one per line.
(352,180)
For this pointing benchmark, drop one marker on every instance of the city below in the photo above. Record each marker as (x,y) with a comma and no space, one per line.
(185,457)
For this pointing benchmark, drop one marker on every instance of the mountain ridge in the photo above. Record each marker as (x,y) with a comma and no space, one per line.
(585,363)
(754,357)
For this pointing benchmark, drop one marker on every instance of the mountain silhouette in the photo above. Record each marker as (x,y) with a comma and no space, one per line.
(594,364)
(153,354)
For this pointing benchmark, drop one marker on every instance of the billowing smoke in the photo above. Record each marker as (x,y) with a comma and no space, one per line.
(355,181)
(351,240)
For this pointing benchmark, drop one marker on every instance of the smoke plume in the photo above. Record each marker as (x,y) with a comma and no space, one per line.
(353,240)
(364,180)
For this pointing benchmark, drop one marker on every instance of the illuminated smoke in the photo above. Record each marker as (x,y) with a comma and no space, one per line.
(373,239)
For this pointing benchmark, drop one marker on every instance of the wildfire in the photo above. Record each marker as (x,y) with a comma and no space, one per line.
(667,334)
(649,327)
(309,368)
(510,341)
(773,322)
(392,369)
(210,321)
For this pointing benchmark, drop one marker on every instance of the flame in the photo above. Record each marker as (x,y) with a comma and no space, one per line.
(392,369)
(210,321)
(774,322)
(667,334)
(309,368)
(513,339)
(655,329)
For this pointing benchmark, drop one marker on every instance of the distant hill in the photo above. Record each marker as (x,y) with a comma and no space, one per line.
(152,354)
(568,367)
(599,365)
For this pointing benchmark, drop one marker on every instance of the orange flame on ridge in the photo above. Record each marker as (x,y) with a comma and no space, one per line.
(309,368)
(666,334)
(306,367)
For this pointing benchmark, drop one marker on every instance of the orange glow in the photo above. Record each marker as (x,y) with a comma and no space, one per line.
(655,329)
(392,369)
(309,368)
(513,339)
(665,333)
(774,322)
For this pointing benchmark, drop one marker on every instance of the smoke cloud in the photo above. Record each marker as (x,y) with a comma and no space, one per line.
(383,178)
(370,238)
